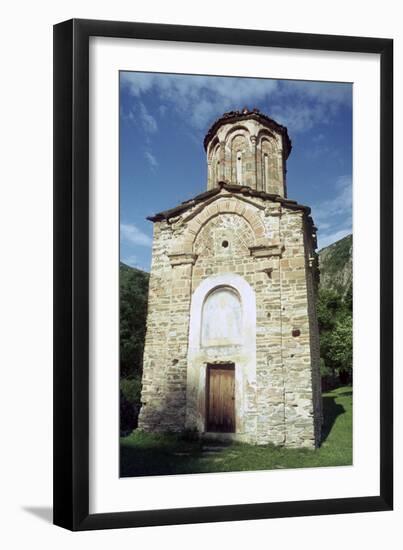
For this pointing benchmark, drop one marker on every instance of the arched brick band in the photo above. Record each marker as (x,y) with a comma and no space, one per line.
(223,205)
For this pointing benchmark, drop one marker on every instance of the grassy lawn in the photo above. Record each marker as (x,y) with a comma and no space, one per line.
(160,454)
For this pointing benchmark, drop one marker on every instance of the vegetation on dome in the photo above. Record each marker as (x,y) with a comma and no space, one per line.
(244,114)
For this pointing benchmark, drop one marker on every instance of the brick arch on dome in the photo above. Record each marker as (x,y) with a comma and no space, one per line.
(225,206)
(233,131)
(212,147)
(264,133)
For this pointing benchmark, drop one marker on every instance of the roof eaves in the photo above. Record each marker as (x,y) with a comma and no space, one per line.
(244,190)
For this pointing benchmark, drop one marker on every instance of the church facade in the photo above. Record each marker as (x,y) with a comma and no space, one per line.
(232,342)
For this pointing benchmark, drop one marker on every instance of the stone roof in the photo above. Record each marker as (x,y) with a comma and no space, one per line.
(240,189)
(245,114)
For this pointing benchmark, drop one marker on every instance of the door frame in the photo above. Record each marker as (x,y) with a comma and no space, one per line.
(227,365)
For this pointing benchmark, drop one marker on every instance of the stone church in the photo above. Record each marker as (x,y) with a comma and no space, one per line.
(232,342)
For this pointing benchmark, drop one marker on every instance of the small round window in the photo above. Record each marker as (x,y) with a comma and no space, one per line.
(225,244)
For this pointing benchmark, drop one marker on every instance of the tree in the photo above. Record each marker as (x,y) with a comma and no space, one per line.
(329,305)
(133,313)
(336,338)
(341,344)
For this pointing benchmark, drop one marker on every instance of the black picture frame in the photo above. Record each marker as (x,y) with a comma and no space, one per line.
(72,285)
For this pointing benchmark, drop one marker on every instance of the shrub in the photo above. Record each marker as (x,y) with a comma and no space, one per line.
(336,337)
(130,392)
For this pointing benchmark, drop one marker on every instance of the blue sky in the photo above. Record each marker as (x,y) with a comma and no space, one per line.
(164,118)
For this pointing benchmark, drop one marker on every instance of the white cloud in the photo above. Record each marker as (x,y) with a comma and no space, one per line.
(133,235)
(333,216)
(305,104)
(132,261)
(329,238)
(339,205)
(300,111)
(200,99)
(139,115)
(147,120)
(298,116)
(151,159)
(330,93)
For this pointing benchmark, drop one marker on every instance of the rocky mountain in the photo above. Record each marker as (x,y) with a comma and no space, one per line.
(336,266)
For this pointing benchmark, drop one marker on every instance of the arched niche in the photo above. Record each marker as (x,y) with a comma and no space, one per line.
(234,131)
(268,160)
(221,323)
(214,163)
(238,158)
(212,147)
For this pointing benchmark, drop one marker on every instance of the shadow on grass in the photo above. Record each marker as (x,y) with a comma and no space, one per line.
(156,454)
(164,455)
(331,410)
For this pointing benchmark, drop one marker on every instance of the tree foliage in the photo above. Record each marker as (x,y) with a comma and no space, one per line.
(341,344)
(336,336)
(133,313)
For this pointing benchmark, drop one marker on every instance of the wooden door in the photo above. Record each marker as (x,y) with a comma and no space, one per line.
(221,398)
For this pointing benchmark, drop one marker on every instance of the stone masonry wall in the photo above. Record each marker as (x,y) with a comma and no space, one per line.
(268,246)
(164,366)
(312,270)
(296,337)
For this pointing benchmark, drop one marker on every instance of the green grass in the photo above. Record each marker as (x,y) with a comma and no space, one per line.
(160,454)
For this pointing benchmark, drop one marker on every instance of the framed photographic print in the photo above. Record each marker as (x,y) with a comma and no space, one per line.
(223,274)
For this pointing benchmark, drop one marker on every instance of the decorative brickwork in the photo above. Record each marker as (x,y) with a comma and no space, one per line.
(248,148)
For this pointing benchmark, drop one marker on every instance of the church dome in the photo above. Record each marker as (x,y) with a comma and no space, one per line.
(248,148)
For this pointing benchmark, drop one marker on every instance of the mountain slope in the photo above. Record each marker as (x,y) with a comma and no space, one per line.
(336,266)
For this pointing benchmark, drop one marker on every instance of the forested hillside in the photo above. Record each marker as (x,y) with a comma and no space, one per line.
(335,312)
(336,266)
(133,312)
